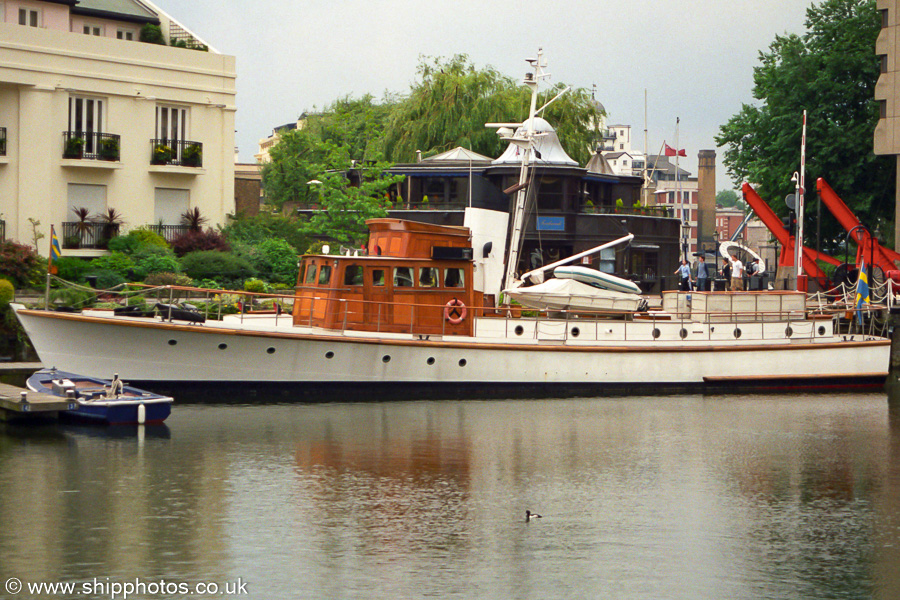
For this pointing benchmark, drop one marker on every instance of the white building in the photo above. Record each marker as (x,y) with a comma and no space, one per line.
(93,118)
(619,153)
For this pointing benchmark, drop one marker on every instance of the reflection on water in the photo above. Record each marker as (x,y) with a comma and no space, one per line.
(688,497)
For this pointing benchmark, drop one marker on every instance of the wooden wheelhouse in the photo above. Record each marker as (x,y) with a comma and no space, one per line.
(412,278)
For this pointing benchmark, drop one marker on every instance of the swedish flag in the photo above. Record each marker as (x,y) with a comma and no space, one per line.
(55,250)
(862,289)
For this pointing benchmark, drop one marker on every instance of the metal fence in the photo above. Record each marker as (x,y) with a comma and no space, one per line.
(169,232)
(177,153)
(91,145)
(79,235)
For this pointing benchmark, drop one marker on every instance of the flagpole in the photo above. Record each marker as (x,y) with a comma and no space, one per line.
(684,227)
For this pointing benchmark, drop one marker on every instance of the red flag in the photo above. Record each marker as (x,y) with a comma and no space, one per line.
(682,152)
(670,151)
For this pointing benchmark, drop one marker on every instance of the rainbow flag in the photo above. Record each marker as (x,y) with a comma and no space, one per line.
(55,251)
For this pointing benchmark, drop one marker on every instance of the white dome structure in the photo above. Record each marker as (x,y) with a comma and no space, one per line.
(548,150)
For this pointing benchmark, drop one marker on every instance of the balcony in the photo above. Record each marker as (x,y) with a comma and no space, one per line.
(90,145)
(176,153)
(87,235)
(169,232)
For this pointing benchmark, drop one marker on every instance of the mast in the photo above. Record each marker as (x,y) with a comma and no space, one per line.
(526,144)
(645,191)
(801,191)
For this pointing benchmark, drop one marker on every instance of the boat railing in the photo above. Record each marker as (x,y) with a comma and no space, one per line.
(511,322)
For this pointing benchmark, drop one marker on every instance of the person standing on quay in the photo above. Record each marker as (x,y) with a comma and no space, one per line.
(685,271)
(702,275)
(726,273)
(737,274)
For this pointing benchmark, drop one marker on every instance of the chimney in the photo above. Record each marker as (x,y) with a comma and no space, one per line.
(706,199)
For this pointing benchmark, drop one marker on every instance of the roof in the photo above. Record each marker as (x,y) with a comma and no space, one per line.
(124,10)
(598,165)
(549,150)
(458,154)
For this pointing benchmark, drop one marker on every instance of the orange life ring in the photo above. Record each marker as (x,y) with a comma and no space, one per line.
(455,311)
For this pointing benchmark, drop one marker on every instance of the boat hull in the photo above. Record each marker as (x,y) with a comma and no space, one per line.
(327,363)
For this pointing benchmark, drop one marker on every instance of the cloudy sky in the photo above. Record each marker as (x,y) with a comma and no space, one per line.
(694,58)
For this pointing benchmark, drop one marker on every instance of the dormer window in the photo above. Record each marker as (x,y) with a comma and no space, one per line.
(89,29)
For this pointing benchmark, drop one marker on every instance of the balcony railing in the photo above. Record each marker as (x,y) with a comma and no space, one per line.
(177,153)
(651,211)
(90,145)
(87,235)
(2,230)
(2,141)
(169,232)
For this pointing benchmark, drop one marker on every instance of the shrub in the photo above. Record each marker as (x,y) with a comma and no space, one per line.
(72,297)
(194,241)
(106,278)
(153,259)
(136,240)
(152,34)
(256,286)
(21,265)
(276,260)
(71,268)
(255,229)
(224,267)
(116,262)
(7,292)
(163,278)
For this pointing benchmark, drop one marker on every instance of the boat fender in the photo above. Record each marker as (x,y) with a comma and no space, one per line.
(455,311)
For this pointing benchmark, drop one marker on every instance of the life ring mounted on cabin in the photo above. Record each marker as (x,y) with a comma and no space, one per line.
(455,311)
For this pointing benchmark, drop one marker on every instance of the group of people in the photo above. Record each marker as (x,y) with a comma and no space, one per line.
(732,272)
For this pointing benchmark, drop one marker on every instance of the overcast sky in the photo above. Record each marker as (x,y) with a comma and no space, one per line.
(695,58)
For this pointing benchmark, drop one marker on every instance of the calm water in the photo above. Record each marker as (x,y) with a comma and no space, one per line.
(683,498)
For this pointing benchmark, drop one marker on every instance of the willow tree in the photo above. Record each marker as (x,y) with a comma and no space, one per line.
(831,72)
(452,100)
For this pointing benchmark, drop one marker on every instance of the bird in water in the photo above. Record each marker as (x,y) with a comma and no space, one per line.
(530,515)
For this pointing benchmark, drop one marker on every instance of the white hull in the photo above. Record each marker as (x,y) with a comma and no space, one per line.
(541,353)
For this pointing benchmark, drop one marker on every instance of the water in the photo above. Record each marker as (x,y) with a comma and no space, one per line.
(677,498)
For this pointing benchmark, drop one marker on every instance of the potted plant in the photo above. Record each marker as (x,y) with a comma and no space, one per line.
(192,155)
(162,154)
(619,204)
(109,149)
(111,220)
(83,226)
(74,148)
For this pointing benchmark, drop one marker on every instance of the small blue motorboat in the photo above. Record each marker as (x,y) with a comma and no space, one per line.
(103,400)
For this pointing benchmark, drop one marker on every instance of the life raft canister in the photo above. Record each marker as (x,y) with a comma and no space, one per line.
(455,311)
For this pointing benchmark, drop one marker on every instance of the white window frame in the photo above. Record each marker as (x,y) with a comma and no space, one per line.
(32,16)
(92,29)
(87,114)
(126,34)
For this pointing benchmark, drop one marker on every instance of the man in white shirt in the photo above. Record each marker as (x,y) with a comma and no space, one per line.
(737,274)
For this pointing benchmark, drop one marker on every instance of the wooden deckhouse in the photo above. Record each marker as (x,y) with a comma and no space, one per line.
(412,278)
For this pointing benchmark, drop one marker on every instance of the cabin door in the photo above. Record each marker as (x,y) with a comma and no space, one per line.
(377,293)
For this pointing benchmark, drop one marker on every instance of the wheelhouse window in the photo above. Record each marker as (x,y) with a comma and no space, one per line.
(324,275)
(353,275)
(378,277)
(428,277)
(403,277)
(310,274)
(454,278)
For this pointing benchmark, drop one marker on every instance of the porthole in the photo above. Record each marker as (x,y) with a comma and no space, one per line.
(462,362)
(683,333)
(576,332)
(655,333)
(737,332)
(386,358)
(329,355)
(821,330)
(430,360)
(788,332)
(222,346)
(173,342)
(519,330)
(270,350)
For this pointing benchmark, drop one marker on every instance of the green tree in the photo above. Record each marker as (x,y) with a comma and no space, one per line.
(729,198)
(348,195)
(298,158)
(358,124)
(452,100)
(831,72)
